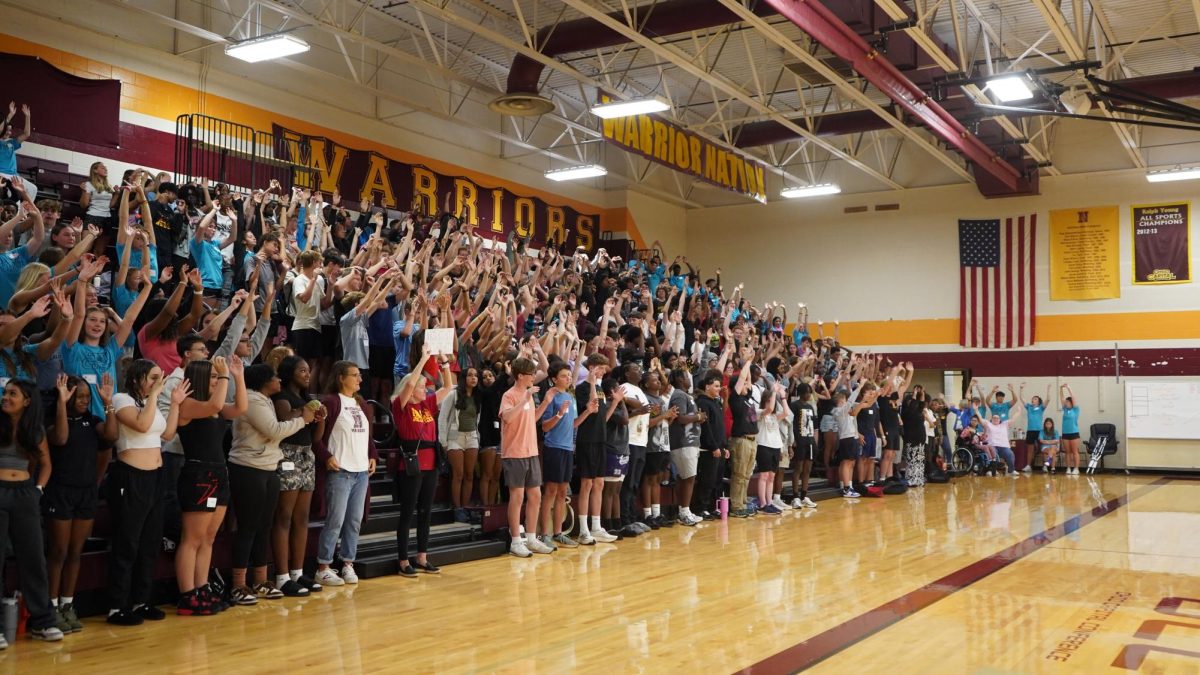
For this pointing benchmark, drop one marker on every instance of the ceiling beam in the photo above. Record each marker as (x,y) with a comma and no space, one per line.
(1057,22)
(925,41)
(688,65)
(850,91)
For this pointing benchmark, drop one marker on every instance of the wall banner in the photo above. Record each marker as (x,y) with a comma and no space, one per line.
(1161,245)
(495,211)
(684,151)
(1084,251)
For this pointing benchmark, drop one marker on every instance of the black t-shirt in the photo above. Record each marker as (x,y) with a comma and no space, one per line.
(616,438)
(168,226)
(824,407)
(202,440)
(75,463)
(868,420)
(745,414)
(489,412)
(889,416)
(304,436)
(712,430)
(592,428)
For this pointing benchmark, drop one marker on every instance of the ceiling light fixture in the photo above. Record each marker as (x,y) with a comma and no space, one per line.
(1010,88)
(641,106)
(577,172)
(1177,173)
(266,48)
(810,191)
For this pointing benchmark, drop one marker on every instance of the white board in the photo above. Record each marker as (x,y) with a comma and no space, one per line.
(440,341)
(1168,409)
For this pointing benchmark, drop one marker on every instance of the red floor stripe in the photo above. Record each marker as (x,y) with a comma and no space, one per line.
(824,645)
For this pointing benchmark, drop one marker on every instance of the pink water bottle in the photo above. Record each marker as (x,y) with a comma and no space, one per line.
(723,507)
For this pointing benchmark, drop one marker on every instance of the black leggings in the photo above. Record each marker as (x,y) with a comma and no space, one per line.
(416,492)
(136,504)
(255,492)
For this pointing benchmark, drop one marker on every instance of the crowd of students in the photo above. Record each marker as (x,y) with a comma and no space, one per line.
(226,347)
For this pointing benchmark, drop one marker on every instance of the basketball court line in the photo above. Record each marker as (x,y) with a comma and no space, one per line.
(848,633)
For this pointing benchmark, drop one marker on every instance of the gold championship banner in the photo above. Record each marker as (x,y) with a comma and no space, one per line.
(1084,251)
(677,148)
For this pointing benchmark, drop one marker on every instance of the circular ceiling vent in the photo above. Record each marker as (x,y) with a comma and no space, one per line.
(522,105)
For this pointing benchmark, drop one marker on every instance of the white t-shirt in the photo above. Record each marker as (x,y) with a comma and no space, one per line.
(348,439)
(769,435)
(224,229)
(305,313)
(101,202)
(127,438)
(639,425)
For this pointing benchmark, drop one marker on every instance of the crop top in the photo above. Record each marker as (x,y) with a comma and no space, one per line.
(128,438)
(13,458)
(202,440)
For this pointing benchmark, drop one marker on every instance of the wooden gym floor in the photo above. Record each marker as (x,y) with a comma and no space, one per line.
(984,575)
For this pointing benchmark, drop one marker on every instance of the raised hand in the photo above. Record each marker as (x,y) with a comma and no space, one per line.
(179,393)
(166,274)
(105,390)
(41,307)
(65,393)
(220,365)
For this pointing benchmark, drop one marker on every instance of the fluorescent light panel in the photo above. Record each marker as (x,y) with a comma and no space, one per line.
(1011,88)
(810,191)
(266,48)
(641,106)
(577,172)
(1168,175)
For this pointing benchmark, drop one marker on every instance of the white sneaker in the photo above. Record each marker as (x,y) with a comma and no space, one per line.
(603,536)
(519,549)
(1027,469)
(694,520)
(1045,468)
(808,503)
(348,574)
(797,503)
(535,545)
(780,504)
(1014,474)
(3,642)
(850,494)
(327,577)
(586,540)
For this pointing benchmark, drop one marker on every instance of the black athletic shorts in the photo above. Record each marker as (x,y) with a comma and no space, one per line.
(1070,437)
(656,463)
(848,448)
(557,465)
(806,450)
(203,487)
(329,341)
(64,502)
(767,459)
(589,457)
(382,361)
(1032,438)
(306,342)
(891,440)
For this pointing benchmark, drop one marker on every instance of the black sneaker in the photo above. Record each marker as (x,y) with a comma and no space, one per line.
(150,612)
(664,521)
(650,522)
(292,589)
(407,570)
(125,617)
(711,515)
(630,531)
(309,583)
(427,567)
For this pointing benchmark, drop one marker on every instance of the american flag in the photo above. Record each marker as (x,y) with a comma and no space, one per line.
(996,282)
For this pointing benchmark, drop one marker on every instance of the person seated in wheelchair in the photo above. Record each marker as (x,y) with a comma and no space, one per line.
(974,438)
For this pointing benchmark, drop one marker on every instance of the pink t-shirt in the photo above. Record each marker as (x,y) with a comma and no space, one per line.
(161,352)
(518,431)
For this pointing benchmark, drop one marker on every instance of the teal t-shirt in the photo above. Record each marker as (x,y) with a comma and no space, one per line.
(1070,422)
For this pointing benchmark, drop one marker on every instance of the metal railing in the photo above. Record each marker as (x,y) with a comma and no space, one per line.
(234,154)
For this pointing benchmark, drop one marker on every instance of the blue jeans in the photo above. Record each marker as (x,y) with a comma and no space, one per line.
(345,500)
(1005,453)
